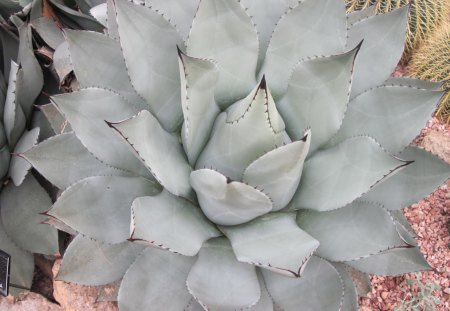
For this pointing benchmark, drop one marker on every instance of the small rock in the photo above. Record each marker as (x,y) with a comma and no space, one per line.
(74,297)
(447,291)
(28,302)
(384,295)
(437,143)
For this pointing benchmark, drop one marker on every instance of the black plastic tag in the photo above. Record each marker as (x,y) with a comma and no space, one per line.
(5,264)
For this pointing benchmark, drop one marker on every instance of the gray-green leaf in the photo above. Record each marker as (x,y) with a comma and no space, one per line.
(274,242)
(19,167)
(220,282)
(171,223)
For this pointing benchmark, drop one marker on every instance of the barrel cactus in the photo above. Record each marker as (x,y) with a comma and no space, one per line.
(432,61)
(239,159)
(424,18)
(22,198)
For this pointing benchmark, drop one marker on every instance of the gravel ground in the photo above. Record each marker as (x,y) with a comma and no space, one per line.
(430,219)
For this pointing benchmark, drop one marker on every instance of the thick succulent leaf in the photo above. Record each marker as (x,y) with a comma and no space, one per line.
(243,133)
(22,262)
(345,233)
(222,30)
(13,116)
(278,172)
(319,288)
(19,168)
(100,13)
(388,109)
(219,282)
(30,78)
(91,262)
(416,83)
(296,37)
(63,160)
(159,150)
(157,279)
(361,280)
(111,22)
(61,61)
(379,53)
(413,183)
(178,13)
(77,19)
(100,207)
(5,157)
(145,33)
(86,111)
(48,31)
(228,203)
(92,55)
(356,16)
(57,121)
(265,302)
(171,223)
(317,97)
(350,299)
(335,177)
(265,15)
(20,208)
(393,262)
(274,242)
(198,80)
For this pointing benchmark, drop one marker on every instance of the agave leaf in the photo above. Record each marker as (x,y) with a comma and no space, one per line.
(178,13)
(413,183)
(112,28)
(238,287)
(10,47)
(198,80)
(265,15)
(243,133)
(415,83)
(142,33)
(56,120)
(317,97)
(393,262)
(108,200)
(99,12)
(228,203)
(278,172)
(30,78)
(86,111)
(350,299)
(319,289)
(193,305)
(22,262)
(159,150)
(92,55)
(91,262)
(14,118)
(20,208)
(379,53)
(81,20)
(265,302)
(386,109)
(48,31)
(171,223)
(356,16)
(62,62)
(19,168)
(274,242)
(358,237)
(358,161)
(307,22)
(158,279)
(360,279)
(65,153)
(5,157)
(209,39)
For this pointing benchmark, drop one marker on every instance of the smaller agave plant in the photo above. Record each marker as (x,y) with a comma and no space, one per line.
(221,165)
(22,198)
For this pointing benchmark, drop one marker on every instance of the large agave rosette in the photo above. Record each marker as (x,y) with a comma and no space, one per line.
(258,167)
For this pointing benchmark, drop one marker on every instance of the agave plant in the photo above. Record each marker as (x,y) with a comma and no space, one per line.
(22,198)
(216,164)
